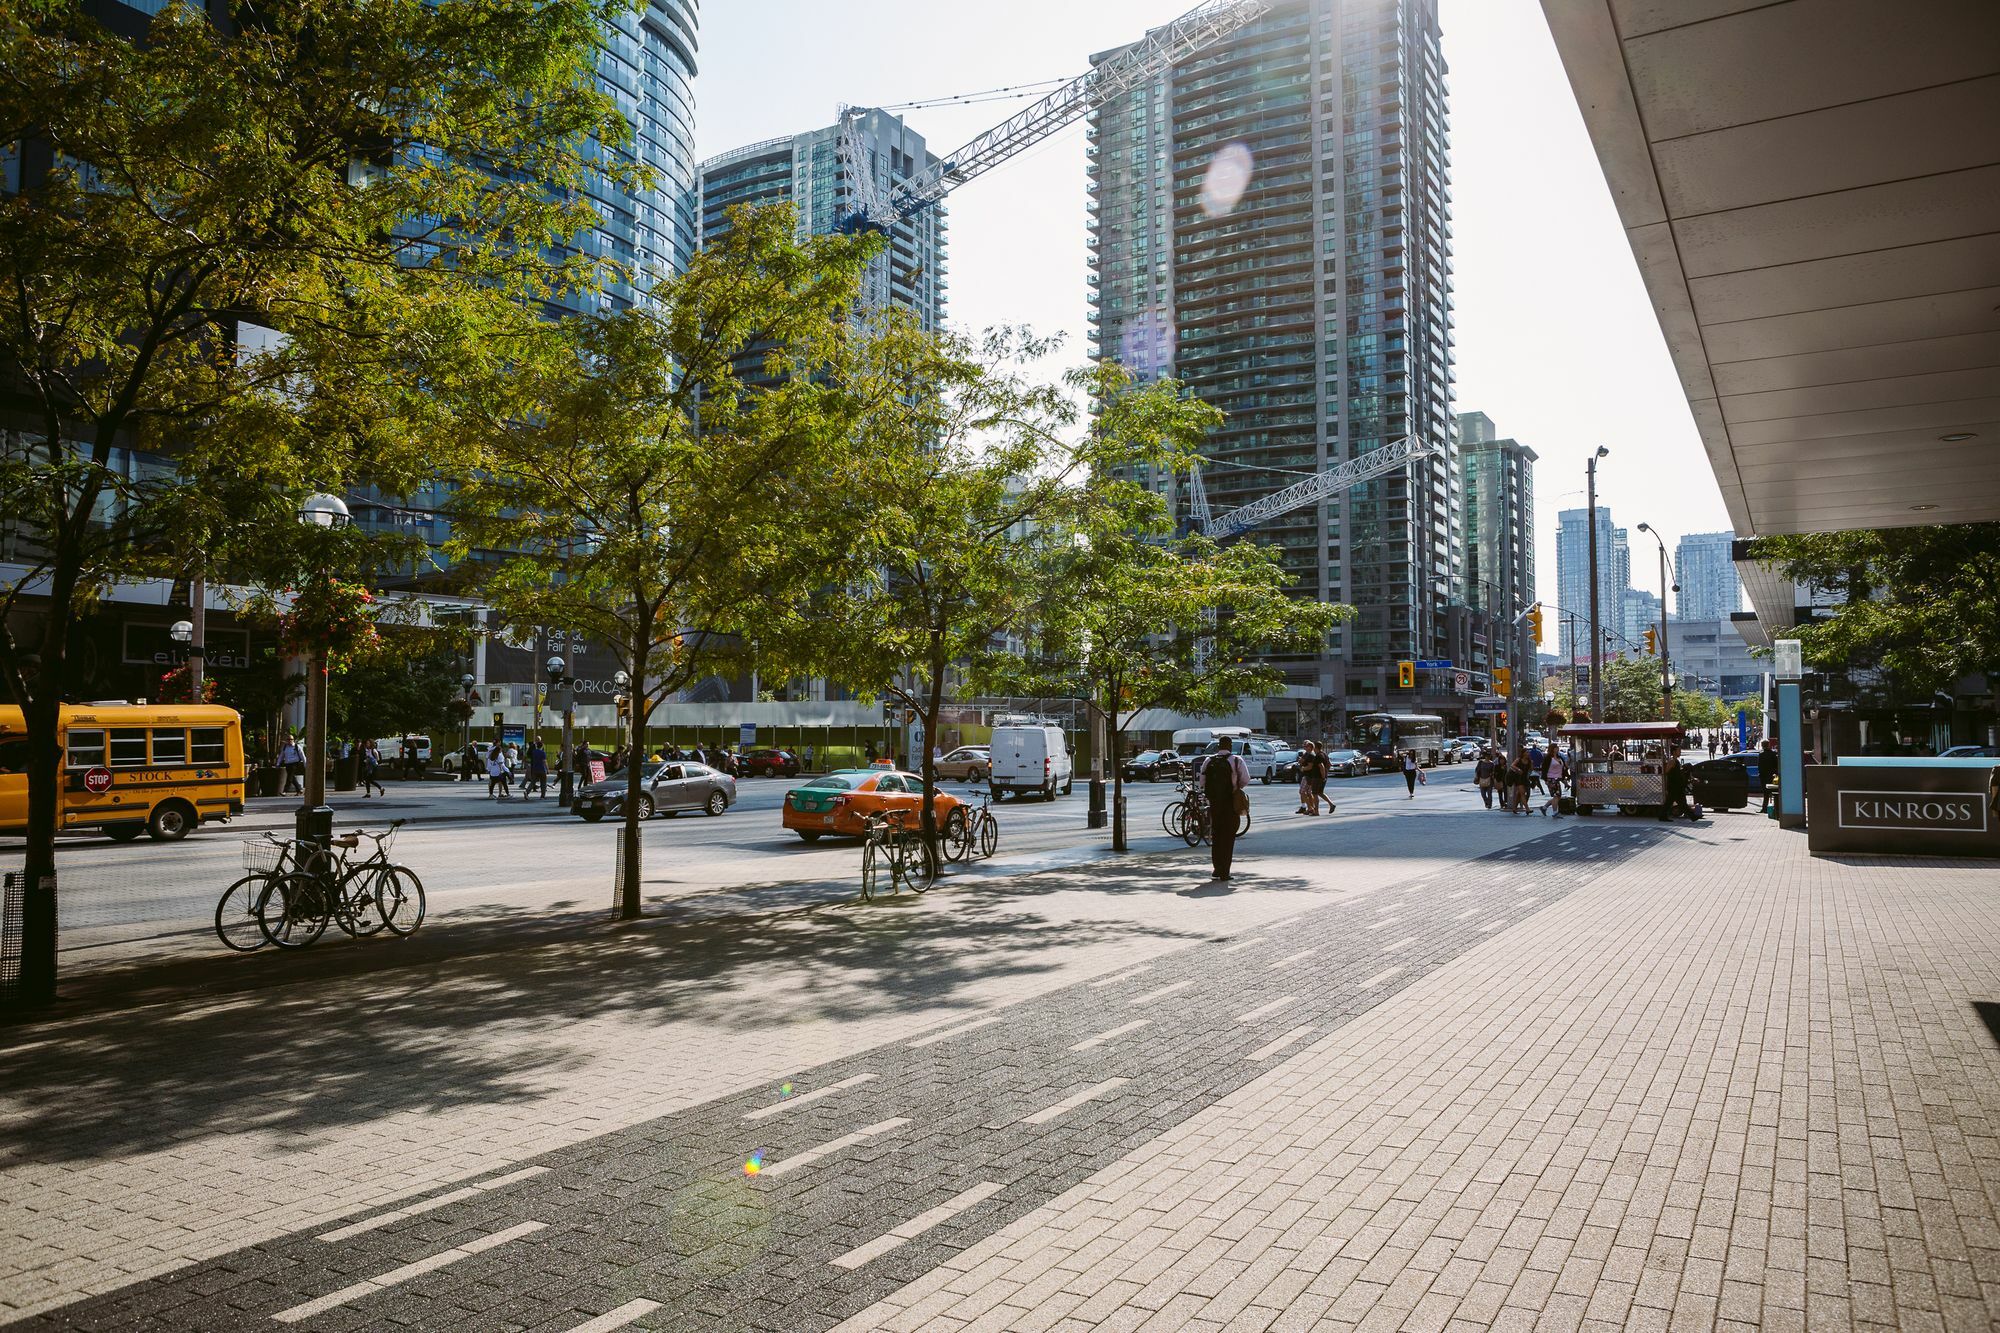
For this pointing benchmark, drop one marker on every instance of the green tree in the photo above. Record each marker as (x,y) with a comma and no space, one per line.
(281,166)
(656,477)
(1922,603)
(972,481)
(1631,692)
(1134,620)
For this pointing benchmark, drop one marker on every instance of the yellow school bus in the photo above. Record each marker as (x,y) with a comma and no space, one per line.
(162,769)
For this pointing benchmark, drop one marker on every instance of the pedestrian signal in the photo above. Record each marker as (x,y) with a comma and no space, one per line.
(1406,675)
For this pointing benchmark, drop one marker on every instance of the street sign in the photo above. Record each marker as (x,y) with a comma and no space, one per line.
(1489,705)
(97,781)
(1461,681)
(746,733)
(1433,664)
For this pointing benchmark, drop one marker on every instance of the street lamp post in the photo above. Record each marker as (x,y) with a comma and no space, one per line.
(1666,654)
(465,684)
(1596,659)
(184,633)
(562,697)
(314,821)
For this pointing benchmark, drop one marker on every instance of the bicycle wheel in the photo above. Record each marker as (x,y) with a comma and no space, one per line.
(236,923)
(1173,816)
(916,864)
(873,854)
(292,910)
(1194,828)
(1243,823)
(399,899)
(958,836)
(354,905)
(989,834)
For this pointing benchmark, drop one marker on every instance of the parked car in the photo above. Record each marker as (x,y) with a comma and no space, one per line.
(1155,766)
(454,759)
(968,763)
(1463,748)
(665,788)
(1030,758)
(833,805)
(768,764)
(1259,753)
(1284,765)
(1348,763)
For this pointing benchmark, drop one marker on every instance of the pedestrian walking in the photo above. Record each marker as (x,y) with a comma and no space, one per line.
(496,773)
(471,764)
(538,769)
(293,760)
(1518,778)
(1413,773)
(1536,761)
(1483,775)
(1322,769)
(1552,778)
(1225,785)
(1307,805)
(1676,776)
(371,766)
(807,755)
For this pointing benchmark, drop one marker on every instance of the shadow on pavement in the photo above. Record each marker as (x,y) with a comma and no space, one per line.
(294,1045)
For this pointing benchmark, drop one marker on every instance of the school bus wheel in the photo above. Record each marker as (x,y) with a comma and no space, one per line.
(171,821)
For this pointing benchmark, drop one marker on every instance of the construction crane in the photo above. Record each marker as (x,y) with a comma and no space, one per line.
(878,207)
(1320,486)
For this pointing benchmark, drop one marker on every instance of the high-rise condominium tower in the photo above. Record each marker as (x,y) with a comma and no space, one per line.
(1497,483)
(805,170)
(1710,586)
(1270,224)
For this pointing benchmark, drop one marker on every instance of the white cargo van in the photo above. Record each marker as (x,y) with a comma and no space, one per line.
(1029,758)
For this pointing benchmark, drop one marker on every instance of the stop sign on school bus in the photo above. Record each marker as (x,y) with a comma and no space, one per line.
(97,781)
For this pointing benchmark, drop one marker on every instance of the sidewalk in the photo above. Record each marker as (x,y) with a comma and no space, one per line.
(1443,1071)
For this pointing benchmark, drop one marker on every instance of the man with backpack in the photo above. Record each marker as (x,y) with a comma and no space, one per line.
(1225,786)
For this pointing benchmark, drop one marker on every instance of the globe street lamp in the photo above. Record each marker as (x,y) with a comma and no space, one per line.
(621,681)
(314,822)
(562,698)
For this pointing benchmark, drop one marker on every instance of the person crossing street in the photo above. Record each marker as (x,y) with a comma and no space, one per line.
(1225,785)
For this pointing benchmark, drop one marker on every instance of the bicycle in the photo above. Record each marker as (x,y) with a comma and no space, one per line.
(898,852)
(268,860)
(972,831)
(363,897)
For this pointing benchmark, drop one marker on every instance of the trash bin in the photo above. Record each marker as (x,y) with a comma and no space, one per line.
(347,772)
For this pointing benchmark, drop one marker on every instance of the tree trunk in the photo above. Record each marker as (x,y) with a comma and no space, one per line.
(1111,734)
(628,885)
(38,889)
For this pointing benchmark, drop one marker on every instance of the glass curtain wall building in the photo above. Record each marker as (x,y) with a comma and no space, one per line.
(1270,223)
(1497,482)
(805,170)
(1711,589)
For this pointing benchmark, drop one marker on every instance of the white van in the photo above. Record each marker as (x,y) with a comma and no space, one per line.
(1029,758)
(1196,740)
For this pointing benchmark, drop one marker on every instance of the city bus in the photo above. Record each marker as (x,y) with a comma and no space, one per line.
(1383,737)
(127,769)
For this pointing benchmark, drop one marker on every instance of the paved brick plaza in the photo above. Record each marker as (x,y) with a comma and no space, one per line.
(1414,1069)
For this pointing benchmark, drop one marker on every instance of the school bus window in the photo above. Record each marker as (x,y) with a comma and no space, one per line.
(211,746)
(86,749)
(14,755)
(170,747)
(128,747)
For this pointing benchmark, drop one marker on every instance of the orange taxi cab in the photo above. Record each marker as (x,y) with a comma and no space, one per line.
(834,805)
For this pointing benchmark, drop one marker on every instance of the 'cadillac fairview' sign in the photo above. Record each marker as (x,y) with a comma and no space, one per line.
(1930,812)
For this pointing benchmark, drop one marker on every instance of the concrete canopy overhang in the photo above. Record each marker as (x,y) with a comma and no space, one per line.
(1812,191)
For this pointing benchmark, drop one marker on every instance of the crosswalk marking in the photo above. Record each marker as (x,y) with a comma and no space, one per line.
(397,1276)
(1244,944)
(618,1318)
(1298,957)
(959,1031)
(1385,921)
(1403,943)
(1068,1104)
(918,1225)
(1115,978)
(1266,1052)
(805,1097)
(1379,978)
(1263,1010)
(426,1205)
(1159,994)
(845,1141)
(1102,1037)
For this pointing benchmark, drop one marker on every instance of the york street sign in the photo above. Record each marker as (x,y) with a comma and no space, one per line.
(1434,664)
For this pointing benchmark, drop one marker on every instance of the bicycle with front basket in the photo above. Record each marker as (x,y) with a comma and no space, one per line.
(324,885)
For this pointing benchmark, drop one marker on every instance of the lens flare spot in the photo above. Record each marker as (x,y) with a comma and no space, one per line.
(1228,177)
(753,1164)
(1146,346)
(784,1090)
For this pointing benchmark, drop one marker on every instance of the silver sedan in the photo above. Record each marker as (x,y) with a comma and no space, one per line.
(664,788)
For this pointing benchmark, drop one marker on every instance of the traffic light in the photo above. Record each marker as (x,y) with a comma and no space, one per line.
(1652,643)
(1535,621)
(1503,681)
(1406,675)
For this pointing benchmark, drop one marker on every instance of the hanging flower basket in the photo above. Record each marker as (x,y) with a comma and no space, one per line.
(176,687)
(333,619)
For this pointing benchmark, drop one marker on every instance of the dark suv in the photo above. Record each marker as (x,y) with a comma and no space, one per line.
(768,764)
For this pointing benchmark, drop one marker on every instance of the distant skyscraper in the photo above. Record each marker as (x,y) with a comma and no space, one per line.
(1573,575)
(1641,613)
(805,171)
(1710,587)
(1497,482)
(1269,223)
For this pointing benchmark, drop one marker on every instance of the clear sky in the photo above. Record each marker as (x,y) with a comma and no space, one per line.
(1556,340)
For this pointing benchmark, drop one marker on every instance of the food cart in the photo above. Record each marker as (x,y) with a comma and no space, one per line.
(1621,764)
